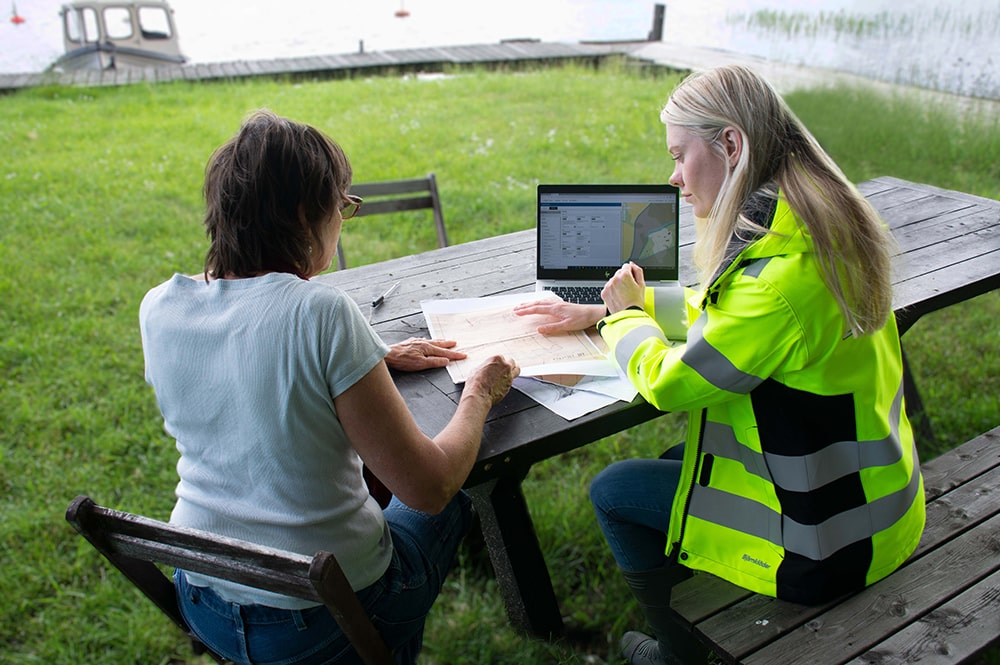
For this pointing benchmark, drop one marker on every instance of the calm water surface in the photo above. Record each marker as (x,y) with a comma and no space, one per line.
(948,45)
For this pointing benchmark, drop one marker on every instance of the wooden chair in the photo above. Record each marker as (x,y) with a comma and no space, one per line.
(390,196)
(134,544)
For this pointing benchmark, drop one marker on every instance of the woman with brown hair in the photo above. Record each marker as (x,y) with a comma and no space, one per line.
(278,393)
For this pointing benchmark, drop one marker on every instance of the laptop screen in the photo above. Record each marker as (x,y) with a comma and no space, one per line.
(589,231)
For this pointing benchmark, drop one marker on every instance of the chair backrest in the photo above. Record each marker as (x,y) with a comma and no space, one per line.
(134,544)
(390,196)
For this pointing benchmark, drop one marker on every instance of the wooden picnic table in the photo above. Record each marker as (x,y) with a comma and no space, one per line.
(949,252)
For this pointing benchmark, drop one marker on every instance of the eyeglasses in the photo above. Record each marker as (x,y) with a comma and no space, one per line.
(351,208)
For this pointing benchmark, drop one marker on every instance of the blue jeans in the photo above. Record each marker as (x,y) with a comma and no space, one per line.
(632,500)
(424,548)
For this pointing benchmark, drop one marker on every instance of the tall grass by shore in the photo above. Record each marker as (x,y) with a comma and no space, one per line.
(843,24)
(945,47)
(100,200)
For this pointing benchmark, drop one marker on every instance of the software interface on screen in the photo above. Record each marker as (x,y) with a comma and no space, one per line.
(600,230)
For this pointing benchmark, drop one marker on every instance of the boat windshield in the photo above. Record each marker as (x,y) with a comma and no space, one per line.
(154,22)
(82,26)
(118,23)
(85,24)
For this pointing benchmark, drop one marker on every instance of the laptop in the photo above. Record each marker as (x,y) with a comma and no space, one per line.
(586,233)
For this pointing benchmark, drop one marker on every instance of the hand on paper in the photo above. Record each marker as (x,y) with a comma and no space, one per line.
(492,380)
(564,316)
(418,353)
(625,289)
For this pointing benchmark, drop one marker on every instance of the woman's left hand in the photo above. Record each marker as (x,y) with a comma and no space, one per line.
(625,289)
(418,353)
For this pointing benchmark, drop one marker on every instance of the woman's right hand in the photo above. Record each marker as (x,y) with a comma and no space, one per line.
(492,380)
(423,472)
(561,316)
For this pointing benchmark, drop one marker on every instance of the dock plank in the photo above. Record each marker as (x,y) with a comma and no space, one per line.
(339,64)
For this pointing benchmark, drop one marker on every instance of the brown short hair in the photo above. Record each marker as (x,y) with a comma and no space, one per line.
(268,191)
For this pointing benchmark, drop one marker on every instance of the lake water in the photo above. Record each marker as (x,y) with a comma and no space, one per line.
(948,45)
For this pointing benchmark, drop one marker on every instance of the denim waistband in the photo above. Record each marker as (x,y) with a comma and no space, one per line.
(209,600)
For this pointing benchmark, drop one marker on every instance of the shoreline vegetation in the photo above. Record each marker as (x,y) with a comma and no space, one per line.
(100,199)
(938,48)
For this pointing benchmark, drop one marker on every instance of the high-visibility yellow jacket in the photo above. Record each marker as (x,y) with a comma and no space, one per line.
(800,477)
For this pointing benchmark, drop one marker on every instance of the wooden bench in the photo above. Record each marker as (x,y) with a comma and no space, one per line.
(135,544)
(941,606)
(393,196)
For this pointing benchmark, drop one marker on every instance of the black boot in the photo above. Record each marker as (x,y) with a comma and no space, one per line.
(672,645)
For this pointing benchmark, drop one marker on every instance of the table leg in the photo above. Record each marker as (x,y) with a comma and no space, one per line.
(915,411)
(517,558)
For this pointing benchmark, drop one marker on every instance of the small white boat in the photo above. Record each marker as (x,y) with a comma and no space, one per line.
(116,34)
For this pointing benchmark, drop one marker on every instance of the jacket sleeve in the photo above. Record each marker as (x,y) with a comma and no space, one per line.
(749,334)
(667,306)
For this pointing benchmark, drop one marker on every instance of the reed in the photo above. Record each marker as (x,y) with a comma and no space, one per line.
(942,48)
(883,25)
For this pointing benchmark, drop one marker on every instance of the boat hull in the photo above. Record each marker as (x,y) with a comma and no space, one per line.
(104,56)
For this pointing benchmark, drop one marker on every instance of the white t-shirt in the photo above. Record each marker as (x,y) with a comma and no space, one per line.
(245,372)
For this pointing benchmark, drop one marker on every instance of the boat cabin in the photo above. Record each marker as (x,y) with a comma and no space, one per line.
(115,34)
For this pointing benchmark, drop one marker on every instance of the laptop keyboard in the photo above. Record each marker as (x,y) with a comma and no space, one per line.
(584,295)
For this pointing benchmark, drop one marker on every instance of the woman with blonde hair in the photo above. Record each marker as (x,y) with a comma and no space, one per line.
(798,477)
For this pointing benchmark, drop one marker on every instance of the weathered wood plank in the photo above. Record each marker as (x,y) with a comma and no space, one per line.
(975,233)
(949,223)
(957,466)
(703,596)
(887,607)
(941,288)
(953,633)
(486,267)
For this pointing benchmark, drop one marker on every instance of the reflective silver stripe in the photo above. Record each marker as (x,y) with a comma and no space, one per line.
(757,267)
(712,365)
(807,472)
(803,473)
(719,440)
(815,541)
(668,297)
(628,344)
(670,311)
(821,540)
(735,512)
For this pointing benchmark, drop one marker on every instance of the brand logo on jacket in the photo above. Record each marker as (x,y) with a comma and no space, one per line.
(758,562)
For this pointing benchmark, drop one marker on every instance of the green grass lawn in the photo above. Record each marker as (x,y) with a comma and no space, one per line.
(100,200)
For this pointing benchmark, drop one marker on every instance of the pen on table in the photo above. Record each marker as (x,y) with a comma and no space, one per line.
(381,299)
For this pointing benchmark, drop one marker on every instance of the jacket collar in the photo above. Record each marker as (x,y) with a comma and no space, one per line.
(787,236)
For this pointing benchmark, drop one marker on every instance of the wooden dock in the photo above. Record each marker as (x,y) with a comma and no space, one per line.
(339,65)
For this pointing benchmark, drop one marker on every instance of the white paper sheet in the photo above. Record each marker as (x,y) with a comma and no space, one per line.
(487,326)
(570,402)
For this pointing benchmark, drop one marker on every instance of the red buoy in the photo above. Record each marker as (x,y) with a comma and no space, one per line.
(15,18)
